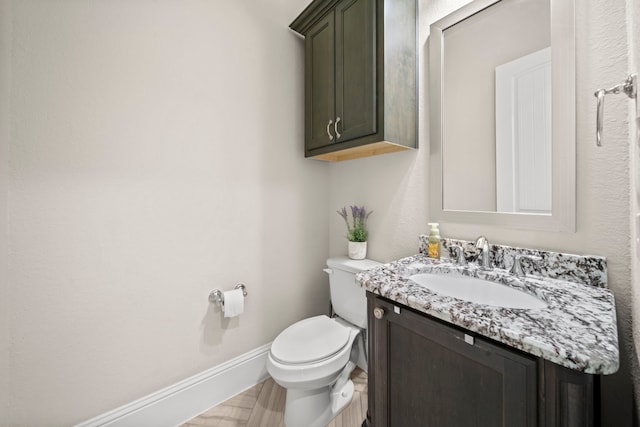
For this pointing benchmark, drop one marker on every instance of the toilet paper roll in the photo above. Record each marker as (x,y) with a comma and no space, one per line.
(233,303)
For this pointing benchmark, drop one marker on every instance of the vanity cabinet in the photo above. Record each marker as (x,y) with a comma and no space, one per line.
(360,77)
(424,372)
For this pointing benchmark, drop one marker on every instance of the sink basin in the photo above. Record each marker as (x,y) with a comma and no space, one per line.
(477,290)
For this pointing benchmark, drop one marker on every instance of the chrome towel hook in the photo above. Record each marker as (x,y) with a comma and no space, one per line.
(628,87)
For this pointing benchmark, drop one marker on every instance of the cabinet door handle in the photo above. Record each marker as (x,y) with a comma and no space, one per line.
(329,130)
(335,128)
(378,313)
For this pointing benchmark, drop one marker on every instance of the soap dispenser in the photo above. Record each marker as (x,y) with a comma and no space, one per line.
(434,240)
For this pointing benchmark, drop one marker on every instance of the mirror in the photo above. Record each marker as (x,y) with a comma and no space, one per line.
(502,91)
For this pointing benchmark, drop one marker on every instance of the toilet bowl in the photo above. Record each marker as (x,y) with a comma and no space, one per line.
(314,357)
(314,394)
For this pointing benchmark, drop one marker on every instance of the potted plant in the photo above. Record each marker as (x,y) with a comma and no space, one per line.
(356,230)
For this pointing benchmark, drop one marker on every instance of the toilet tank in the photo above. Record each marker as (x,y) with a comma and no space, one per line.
(348,298)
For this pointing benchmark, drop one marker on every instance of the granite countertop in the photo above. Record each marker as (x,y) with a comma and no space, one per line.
(577,329)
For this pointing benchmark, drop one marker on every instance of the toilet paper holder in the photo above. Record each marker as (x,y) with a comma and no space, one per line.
(217,297)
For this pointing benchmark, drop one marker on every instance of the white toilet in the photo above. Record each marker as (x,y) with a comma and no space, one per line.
(314,357)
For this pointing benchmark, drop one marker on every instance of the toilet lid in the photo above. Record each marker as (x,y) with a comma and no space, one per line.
(309,340)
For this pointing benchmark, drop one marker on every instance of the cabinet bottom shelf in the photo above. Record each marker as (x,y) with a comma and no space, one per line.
(373,149)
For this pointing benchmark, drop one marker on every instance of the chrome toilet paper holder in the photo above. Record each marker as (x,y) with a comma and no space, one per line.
(217,297)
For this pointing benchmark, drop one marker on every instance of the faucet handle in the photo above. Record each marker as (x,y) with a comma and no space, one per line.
(481,242)
(516,268)
(459,254)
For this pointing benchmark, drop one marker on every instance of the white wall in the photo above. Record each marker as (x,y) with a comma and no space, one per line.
(396,186)
(633,29)
(156,153)
(5,32)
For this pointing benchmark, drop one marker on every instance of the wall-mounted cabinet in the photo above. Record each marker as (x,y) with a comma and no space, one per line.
(360,77)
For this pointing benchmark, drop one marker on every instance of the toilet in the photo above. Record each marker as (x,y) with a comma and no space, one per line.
(314,357)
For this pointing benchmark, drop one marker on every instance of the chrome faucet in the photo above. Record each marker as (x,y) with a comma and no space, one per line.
(517,269)
(482,244)
(459,253)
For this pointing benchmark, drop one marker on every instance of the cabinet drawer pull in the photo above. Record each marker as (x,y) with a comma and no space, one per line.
(335,128)
(378,313)
(329,130)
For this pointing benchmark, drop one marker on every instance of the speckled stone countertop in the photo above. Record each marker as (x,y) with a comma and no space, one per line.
(577,329)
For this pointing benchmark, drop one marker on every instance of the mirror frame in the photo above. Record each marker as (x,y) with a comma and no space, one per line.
(563,127)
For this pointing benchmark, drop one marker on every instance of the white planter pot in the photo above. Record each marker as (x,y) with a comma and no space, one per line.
(357,250)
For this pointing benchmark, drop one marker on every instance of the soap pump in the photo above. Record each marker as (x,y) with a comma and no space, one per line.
(434,240)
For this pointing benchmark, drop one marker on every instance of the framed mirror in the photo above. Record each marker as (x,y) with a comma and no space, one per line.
(502,117)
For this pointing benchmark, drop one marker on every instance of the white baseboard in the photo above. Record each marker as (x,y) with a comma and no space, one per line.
(180,402)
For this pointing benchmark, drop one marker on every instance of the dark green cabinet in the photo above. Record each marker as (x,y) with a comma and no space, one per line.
(360,77)
(320,59)
(424,372)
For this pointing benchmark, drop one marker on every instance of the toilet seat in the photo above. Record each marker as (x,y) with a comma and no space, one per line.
(310,341)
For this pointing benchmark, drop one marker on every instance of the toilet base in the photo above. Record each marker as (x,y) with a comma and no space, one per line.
(341,398)
(316,408)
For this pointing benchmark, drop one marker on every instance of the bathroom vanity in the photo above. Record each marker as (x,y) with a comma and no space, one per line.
(439,360)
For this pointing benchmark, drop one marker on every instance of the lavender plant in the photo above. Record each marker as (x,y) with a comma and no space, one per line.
(357,230)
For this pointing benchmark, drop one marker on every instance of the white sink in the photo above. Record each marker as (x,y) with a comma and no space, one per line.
(478,291)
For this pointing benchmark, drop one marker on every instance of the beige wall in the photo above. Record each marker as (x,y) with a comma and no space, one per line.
(5,32)
(396,186)
(156,154)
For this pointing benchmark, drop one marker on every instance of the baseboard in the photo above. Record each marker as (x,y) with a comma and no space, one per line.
(180,402)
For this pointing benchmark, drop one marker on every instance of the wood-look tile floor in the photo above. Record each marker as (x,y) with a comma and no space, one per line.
(263,406)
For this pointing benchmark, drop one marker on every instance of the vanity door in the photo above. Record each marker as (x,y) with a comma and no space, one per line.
(424,373)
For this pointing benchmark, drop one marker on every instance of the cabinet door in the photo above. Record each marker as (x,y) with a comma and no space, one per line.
(423,373)
(569,397)
(356,68)
(320,84)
